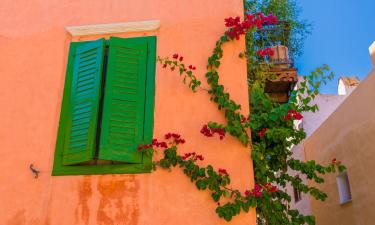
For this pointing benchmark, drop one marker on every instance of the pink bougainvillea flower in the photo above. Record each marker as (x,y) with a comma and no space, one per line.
(293,114)
(230,21)
(298,116)
(244,119)
(191,67)
(209,132)
(287,117)
(179,141)
(266,52)
(270,188)
(231,34)
(262,132)
(257,187)
(270,52)
(237,28)
(200,157)
(154,143)
(257,194)
(192,156)
(168,135)
(176,135)
(223,171)
(250,17)
(260,52)
(273,189)
(257,191)
(206,131)
(176,138)
(163,145)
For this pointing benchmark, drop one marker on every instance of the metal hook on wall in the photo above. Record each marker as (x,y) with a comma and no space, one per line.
(34,171)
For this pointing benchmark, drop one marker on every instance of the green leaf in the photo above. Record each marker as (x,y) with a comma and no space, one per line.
(201,184)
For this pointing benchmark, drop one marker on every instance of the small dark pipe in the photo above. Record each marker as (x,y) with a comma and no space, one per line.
(35,171)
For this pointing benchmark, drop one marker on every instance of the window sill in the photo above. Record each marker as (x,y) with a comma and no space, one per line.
(102,169)
(346,202)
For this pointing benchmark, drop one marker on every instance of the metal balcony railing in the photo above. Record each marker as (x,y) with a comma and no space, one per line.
(272,35)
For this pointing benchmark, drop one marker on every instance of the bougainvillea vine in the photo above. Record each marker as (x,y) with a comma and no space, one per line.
(272,134)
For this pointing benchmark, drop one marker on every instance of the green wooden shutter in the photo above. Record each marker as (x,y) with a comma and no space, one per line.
(124,100)
(80,136)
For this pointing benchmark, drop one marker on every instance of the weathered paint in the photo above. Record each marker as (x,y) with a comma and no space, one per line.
(348,135)
(34,47)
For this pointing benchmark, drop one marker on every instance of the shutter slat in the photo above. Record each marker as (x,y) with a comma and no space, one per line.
(80,138)
(124,101)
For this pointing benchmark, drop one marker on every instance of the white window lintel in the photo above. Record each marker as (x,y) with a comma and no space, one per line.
(114,28)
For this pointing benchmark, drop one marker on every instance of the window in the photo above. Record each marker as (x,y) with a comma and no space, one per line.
(297,195)
(344,188)
(107,108)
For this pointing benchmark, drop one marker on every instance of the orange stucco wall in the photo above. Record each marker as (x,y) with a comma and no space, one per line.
(348,135)
(34,48)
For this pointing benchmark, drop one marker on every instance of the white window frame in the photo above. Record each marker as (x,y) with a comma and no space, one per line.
(343,186)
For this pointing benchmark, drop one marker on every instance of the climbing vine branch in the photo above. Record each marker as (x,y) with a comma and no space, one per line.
(273,133)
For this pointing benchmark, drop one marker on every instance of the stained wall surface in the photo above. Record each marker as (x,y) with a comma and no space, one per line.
(34,47)
(348,135)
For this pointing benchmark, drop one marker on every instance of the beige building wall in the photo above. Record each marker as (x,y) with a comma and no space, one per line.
(311,121)
(348,135)
(304,204)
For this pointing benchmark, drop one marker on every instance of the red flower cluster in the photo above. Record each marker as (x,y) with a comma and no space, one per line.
(209,132)
(244,119)
(238,28)
(191,67)
(232,22)
(266,52)
(262,132)
(155,143)
(176,138)
(293,114)
(193,156)
(161,144)
(267,20)
(223,172)
(257,191)
(334,161)
(270,188)
(175,56)
(173,65)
